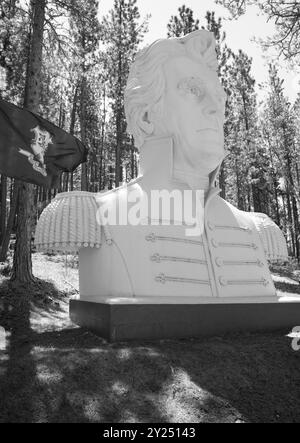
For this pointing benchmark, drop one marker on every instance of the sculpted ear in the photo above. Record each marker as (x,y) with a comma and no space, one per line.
(145,123)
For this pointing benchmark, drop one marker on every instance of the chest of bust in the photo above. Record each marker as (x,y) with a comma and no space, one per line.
(226,260)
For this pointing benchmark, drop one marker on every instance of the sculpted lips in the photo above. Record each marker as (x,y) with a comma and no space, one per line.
(208,129)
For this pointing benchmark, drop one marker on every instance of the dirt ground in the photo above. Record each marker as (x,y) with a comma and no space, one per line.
(52,371)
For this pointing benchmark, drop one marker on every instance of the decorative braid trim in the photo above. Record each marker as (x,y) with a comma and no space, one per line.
(69,223)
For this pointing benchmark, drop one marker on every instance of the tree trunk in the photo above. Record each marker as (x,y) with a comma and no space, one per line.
(296,227)
(118,177)
(256,198)
(222,181)
(239,189)
(132,163)
(119,105)
(10,224)
(275,184)
(22,265)
(290,220)
(66,182)
(103,128)
(83,102)
(72,181)
(276,199)
(3,196)
(72,130)
(73,112)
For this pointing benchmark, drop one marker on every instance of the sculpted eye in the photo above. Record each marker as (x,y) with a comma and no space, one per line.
(193,86)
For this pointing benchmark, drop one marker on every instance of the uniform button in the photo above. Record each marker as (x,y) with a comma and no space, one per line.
(156,258)
(161,278)
(223,281)
(211,226)
(151,237)
(219,262)
(214,243)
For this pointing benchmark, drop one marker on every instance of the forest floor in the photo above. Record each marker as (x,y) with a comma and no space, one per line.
(52,371)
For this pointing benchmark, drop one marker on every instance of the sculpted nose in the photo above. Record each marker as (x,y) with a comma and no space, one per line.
(212,111)
(212,108)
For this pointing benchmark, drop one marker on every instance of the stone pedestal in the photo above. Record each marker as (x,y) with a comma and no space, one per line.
(142,319)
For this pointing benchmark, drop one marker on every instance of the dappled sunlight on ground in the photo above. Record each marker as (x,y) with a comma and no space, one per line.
(60,270)
(287,282)
(185,401)
(52,371)
(286,286)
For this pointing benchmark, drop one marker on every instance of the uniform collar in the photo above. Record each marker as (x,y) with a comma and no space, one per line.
(157,168)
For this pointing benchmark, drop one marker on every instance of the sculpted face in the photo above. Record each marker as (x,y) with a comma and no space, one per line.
(193,112)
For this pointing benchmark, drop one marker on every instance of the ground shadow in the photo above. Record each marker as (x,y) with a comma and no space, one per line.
(290,288)
(20,388)
(17,366)
(71,376)
(257,374)
(252,378)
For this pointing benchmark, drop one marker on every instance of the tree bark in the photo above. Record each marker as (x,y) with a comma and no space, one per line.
(103,128)
(73,112)
(22,265)
(3,195)
(296,227)
(10,224)
(222,181)
(132,162)
(119,135)
(83,103)
(290,220)
(72,131)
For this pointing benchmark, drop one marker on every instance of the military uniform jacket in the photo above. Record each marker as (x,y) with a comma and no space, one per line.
(228,259)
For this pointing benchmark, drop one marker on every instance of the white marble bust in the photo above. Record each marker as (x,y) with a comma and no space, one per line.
(174,91)
(175,110)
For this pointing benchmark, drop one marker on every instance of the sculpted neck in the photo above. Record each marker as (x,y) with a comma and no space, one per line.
(159,170)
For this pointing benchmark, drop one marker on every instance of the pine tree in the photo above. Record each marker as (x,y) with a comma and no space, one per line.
(14,33)
(86,35)
(182,24)
(22,265)
(286,16)
(14,47)
(279,124)
(214,25)
(122,33)
(244,118)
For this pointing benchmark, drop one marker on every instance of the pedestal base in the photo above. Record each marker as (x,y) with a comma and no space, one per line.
(121,320)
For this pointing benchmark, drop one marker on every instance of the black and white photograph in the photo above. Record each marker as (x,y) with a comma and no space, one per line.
(149,214)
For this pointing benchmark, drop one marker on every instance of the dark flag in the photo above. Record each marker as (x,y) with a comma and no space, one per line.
(34,150)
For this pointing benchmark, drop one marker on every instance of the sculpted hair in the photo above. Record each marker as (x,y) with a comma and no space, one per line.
(146,81)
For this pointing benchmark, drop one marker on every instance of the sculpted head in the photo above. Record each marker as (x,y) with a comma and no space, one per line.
(174,90)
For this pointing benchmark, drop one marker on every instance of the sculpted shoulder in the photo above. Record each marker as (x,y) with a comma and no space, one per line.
(118,193)
(69,223)
(271,236)
(114,206)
